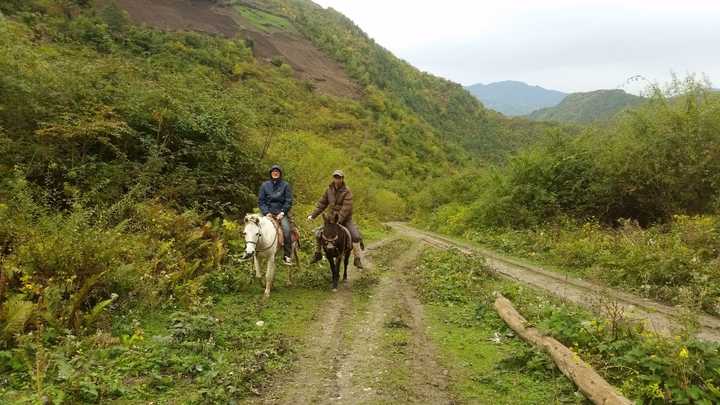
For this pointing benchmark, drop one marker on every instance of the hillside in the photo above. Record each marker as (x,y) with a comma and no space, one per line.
(514,98)
(271,37)
(267,85)
(133,135)
(584,108)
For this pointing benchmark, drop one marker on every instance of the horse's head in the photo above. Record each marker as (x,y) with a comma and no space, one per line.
(331,218)
(330,234)
(252,233)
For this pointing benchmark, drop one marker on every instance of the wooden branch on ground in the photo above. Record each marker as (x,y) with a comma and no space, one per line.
(590,383)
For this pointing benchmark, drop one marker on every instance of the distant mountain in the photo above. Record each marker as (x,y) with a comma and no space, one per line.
(515,98)
(582,108)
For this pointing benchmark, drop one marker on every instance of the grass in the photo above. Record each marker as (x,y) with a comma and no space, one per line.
(487,364)
(488,372)
(216,352)
(265,21)
(487,360)
(673,263)
(395,341)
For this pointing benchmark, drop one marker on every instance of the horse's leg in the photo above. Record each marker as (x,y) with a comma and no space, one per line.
(269,275)
(256,265)
(335,272)
(290,275)
(296,259)
(296,249)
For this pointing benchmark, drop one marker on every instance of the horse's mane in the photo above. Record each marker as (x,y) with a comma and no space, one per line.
(332,227)
(254,219)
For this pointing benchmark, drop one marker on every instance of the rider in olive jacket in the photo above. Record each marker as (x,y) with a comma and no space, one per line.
(275,199)
(338,199)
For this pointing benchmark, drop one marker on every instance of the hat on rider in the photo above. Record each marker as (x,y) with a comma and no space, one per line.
(338,173)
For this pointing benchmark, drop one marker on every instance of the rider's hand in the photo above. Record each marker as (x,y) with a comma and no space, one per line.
(310,218)
(280,216)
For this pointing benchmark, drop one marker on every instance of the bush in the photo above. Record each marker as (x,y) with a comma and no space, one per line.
(57,267)
(674,263)
(654,162)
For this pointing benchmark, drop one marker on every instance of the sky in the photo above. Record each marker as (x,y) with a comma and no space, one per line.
(567,45)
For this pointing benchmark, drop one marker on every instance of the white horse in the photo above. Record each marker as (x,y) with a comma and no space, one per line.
(262,241)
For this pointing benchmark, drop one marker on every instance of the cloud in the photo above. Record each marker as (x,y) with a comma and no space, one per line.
(563,44)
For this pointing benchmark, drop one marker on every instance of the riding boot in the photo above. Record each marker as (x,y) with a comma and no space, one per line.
(357,252)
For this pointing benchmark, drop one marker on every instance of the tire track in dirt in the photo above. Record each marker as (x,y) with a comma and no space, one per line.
(346,359)
(312,379)
(363,376)
(657,317)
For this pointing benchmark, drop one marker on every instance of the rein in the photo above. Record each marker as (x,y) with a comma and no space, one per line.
(260,237)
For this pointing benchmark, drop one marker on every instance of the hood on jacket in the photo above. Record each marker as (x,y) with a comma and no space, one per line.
(273,168)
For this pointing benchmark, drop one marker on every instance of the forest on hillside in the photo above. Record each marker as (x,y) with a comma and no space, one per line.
(586,108)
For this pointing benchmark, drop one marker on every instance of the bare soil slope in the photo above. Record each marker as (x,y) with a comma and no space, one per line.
(180,15)
(307,61)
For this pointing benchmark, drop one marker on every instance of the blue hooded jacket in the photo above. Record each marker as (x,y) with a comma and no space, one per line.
(275,195)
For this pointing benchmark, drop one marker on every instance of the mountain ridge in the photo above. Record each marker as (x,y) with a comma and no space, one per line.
(588,107)
(515,98)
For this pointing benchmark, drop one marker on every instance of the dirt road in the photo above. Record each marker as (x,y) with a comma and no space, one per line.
(368,343)
(660,318)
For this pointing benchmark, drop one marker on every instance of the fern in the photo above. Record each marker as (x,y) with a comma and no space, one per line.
(98,309)
(79,297)
(15,316)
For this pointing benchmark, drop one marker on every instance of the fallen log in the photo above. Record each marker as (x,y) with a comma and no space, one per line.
(590,383)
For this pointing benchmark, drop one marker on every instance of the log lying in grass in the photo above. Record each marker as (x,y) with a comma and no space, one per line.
(585,378)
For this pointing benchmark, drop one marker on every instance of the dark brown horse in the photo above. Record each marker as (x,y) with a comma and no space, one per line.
(336,243)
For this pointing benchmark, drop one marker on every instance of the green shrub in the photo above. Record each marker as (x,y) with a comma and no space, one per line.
(647,368)
(674,262)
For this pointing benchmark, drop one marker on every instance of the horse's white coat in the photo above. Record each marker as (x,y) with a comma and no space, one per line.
(261,240)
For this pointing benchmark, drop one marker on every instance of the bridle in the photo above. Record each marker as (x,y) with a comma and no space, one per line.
(326,239)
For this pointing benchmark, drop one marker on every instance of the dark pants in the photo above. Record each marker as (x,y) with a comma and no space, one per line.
(354,231)
(287,245)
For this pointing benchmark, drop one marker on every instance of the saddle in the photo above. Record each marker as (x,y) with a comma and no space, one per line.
(294,231)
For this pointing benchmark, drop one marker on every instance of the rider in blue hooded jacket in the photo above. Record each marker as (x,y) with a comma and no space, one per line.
(275,199)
